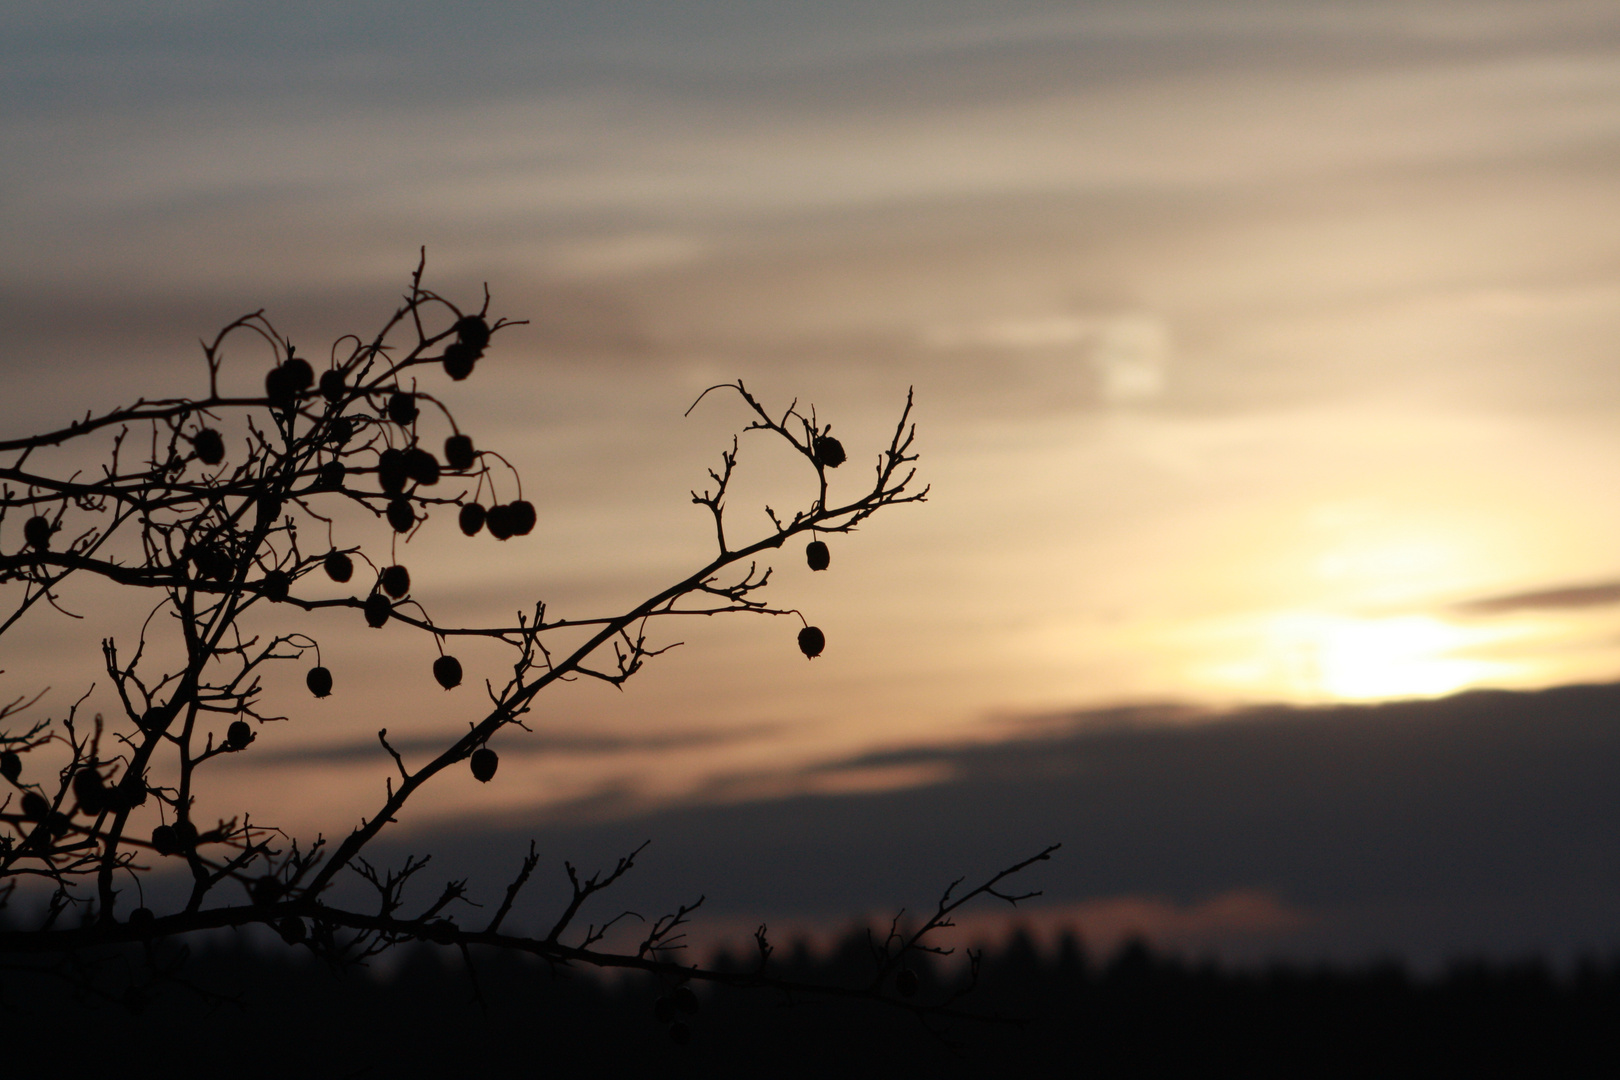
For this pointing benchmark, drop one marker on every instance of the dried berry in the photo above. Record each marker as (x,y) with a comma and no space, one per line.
(817,555)
(275,585)
(238,735)
(905,983)
(458,452)
(421,466)
(377,609)
(332,385)
(278,388)
(484,763)
(396,581)
(499,521)
(142,918)
(339,567)
(155,718)
(459,360)
(391,471)
(473,332)
(330,476)
(523,519)
(402,408)
(59,824)
(299,373)
(829,452)
(208,446)
(286,381)
(401,515)
(91,792)
(685,1000)
(811,642)
(10,765)
(341,431)
(186,835)
(37,532)
(447,669)
(292,931)
(131,792)
(164,840)
(319,680)
(34,806)
(471,518)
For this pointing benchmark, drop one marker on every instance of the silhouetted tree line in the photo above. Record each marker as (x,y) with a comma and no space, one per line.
(1134,1013)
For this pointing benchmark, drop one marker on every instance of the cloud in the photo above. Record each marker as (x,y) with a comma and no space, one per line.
(1484,822)
(1116,359)
(1601,594)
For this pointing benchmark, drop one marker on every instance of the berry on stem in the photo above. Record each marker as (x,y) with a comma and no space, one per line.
(812,641)
(37,532)
(447,670)
(378,608)
(391,471)
(522,518)
(402,408)
(499,522)
(829,452)
(459,453)
(275,585)
(422,466)
(396,581)
(208,446)
(339,567)
(401,515)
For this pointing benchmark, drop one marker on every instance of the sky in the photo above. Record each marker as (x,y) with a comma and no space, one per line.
(1262,352)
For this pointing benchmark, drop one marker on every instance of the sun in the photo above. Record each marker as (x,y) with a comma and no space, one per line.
(1357,659)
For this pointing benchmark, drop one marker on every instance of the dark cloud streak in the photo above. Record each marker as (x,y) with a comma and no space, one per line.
(1486,822)
(1602,594)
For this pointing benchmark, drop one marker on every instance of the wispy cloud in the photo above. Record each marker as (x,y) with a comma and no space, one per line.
(1601,594)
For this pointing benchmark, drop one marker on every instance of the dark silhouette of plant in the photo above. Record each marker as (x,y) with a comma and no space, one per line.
(207,506)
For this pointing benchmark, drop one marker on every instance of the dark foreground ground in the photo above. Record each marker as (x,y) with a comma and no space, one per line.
(1135,1014)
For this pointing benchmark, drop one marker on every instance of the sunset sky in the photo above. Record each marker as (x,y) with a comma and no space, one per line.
(1263,352)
